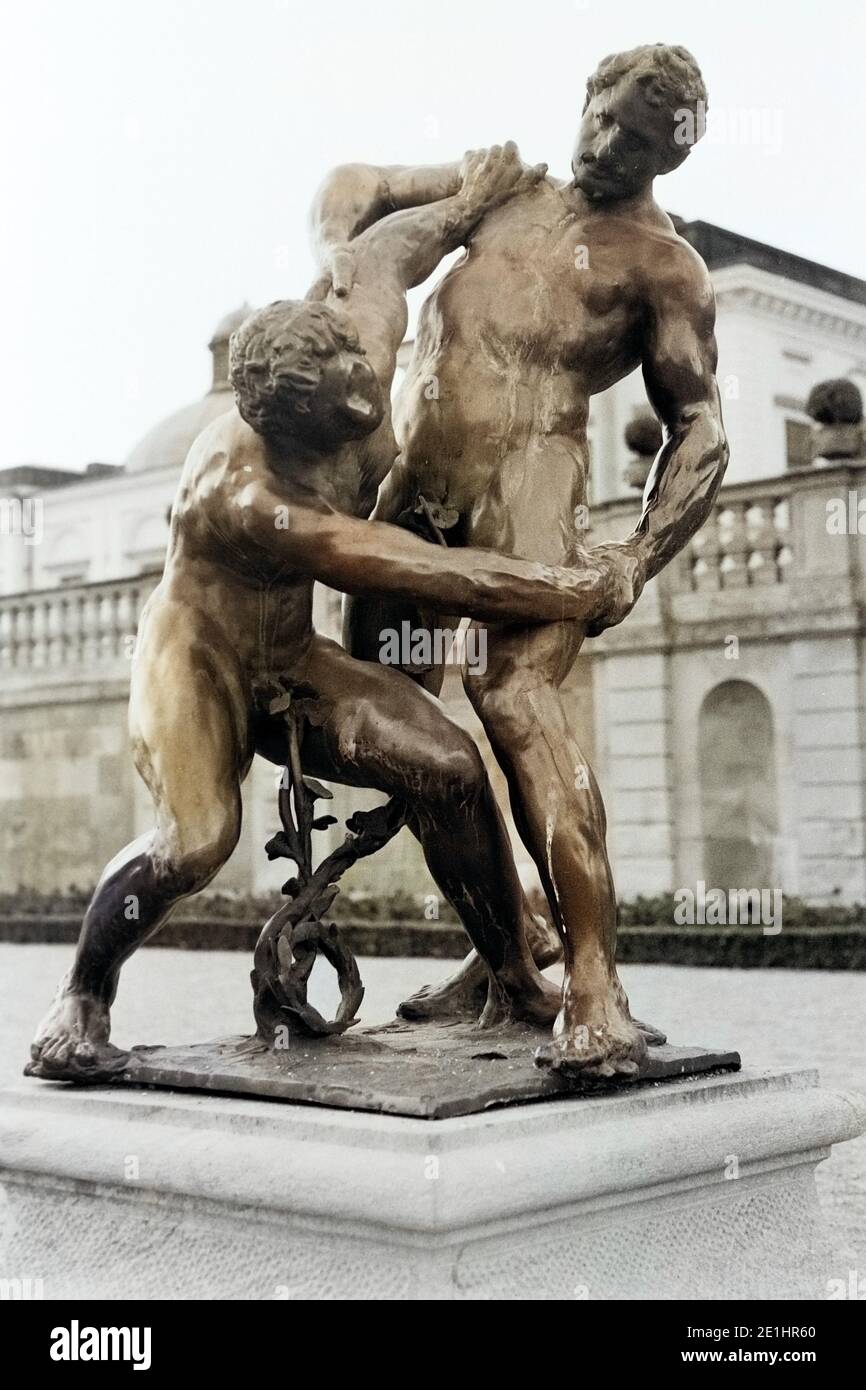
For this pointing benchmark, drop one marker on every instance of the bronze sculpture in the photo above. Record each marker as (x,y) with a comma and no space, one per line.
(269,501)
(272,498)
(563,292)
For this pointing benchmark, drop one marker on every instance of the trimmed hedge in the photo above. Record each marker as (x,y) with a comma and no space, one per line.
(655,912)
(836,947)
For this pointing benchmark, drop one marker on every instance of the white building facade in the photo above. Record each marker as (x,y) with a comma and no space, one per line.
(725,718)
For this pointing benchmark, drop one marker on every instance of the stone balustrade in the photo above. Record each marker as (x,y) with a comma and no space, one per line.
(74,627)
(766,543)
(762,538)
(746,543)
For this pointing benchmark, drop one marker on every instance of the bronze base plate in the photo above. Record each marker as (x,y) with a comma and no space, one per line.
(429,1071)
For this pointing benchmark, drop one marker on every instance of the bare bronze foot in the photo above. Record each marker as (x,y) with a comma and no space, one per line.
(71,1043)
(543,940)
(464,994)
(653,1037)
(461,996)
(537,1001)
(605,1045)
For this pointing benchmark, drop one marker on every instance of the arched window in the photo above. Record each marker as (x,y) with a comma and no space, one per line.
(737,769)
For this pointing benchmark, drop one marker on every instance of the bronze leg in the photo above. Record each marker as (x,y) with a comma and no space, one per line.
(187,728)
(560,816)
(465,992)
(380,730)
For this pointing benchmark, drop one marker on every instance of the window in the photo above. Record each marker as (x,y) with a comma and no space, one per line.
(798,444)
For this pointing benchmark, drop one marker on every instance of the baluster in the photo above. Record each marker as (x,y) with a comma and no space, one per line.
(761,537)
(90,628)
(7,628)
(784,560)
(782,530)
(39,634)
(113,619)
(56,630)
(75,630)
(125,621)
(734,545)
(105,625)
(21,647)
(782,515)
(705,571)
(694,567)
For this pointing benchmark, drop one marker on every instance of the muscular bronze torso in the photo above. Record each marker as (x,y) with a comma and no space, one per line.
(546,309)
(246,591)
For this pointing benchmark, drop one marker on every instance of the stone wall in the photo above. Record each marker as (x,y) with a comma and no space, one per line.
(765,596)
(66,793)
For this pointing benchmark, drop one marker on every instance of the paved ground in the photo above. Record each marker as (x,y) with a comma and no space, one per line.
(773,1017)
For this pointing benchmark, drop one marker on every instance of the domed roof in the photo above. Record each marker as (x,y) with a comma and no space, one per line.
(226,327)
(167,443)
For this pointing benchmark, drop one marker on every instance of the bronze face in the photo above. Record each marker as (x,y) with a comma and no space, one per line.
(622,144)
(348,398)
(643,111)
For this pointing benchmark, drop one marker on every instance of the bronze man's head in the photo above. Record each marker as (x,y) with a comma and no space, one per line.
(644,110)
(298,370)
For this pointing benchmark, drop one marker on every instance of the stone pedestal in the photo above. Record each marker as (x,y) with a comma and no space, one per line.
(701,1188)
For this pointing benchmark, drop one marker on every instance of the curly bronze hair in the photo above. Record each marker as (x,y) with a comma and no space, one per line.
(669,77)
(275,361)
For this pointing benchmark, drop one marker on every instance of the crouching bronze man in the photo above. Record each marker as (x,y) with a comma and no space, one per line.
(272,498)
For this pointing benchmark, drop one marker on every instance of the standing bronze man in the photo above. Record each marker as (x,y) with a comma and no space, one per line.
(564,290)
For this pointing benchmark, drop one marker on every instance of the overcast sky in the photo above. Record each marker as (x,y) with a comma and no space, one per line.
(159,157)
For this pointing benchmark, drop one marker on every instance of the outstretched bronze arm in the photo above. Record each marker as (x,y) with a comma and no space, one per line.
(354,196)
(373,557)
(405,247)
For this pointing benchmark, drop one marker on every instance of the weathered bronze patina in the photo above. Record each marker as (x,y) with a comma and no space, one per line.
(564,289)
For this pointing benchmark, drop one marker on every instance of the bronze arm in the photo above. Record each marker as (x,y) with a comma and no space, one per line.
(679,370)
(354,196)
(373,557)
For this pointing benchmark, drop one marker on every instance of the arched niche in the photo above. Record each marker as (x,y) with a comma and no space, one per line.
(739,799)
